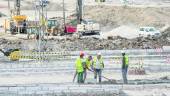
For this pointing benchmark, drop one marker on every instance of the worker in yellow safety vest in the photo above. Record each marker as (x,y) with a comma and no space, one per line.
(98,66)
(88,66)
(125,63)
(80,63)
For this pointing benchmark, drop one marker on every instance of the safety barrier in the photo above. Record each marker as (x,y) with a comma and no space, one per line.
(39,55)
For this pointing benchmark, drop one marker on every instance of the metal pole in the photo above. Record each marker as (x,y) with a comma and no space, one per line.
(79,11)
(9,8)
(64,21)
(39,33)
(18,7)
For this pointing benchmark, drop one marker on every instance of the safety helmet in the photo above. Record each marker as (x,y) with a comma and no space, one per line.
(81,53)
(99,54)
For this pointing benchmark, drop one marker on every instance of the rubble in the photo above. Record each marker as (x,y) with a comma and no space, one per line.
(136,71)
(73,43)
(118,15)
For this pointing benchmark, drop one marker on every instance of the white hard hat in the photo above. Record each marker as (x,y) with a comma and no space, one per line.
(123,51)
(99,53)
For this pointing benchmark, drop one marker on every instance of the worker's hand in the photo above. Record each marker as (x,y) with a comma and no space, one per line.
(91,70)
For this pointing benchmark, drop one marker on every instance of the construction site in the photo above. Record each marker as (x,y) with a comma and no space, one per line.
(46,46)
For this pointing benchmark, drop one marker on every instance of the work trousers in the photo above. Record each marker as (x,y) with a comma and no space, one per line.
(124,75)
(80,77)
(98,72)
(84,74)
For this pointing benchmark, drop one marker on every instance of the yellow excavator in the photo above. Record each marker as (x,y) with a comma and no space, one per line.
(17,22)
(12,54)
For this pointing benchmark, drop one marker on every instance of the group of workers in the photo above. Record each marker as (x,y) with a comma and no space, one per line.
(96,65)
(93,64)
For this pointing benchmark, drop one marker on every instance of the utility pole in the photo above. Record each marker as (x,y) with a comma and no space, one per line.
(79,11)
(64,18)
(9,8)
(17,7)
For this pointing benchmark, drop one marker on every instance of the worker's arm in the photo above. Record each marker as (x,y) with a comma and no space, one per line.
(89,68)
(103,64)
(92,67)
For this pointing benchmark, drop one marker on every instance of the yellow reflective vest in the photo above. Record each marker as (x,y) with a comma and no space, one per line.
(125,61)
(79,65)
(100,61)
(88,63)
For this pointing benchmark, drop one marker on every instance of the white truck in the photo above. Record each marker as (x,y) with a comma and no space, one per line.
(88,27)
(149,31)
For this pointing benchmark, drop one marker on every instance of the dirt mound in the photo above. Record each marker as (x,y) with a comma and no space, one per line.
(111,15)
(123,31)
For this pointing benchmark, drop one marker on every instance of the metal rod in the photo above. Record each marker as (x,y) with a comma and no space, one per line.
(18,7)
(64,21)
(9,9)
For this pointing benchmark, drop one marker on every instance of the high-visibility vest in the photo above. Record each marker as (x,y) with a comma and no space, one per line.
(126,60)
(101,62)
(79,65)
(88,63)
(43,21)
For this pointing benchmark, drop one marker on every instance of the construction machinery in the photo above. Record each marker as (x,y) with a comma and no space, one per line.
(54,27)
(19,23)
(16,23)
(88,27)
(13,54)
(85,26)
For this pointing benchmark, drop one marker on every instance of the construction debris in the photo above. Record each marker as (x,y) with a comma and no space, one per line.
(73,43)
(139,16)
(136,71)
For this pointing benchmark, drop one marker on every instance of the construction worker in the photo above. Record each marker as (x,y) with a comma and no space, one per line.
(98,66)
(88,66)
(80,63)
(125,62)
(24,27)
